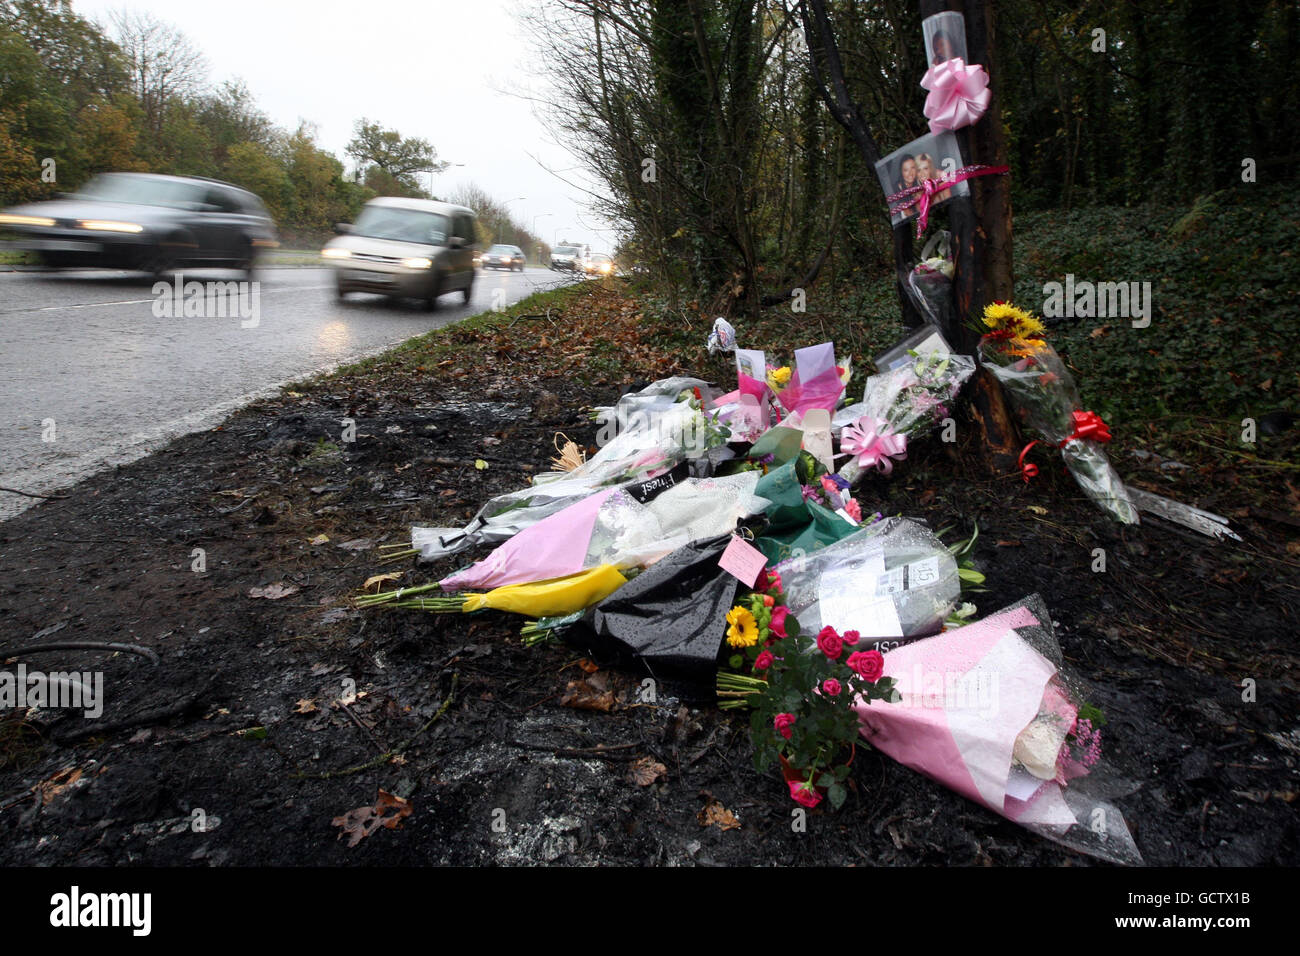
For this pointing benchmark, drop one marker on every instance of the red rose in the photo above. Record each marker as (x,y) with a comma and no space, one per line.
(803,795)
(851,637)
(783,724)
(830,643)
(777,624)
(763,661)
(831,687)
(869,665)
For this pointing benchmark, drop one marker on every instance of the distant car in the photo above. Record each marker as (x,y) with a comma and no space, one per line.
(568,258)
(504,257)
(599,264)
(142,221)
(405,248)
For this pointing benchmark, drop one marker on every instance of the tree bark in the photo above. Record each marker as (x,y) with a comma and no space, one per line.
(981,232)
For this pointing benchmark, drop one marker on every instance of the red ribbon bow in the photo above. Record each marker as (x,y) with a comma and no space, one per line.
(1087,425)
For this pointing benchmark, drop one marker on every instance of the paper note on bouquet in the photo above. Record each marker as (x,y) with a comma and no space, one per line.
(743,561)
(815,361)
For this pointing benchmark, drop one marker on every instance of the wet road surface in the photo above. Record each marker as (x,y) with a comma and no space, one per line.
(92,376)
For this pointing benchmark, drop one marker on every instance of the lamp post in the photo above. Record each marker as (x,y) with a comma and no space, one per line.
(510,223)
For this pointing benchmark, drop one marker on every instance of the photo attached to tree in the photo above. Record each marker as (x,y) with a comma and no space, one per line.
(945,37)
(932,156)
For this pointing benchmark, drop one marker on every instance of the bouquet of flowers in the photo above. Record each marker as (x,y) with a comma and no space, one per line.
(651,431)
(986,711)
(893,580)
(802,692)
(1047,403)
(816,381)
(929,284)
(901,404)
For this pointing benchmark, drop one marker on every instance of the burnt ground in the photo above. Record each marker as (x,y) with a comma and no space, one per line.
(256,741)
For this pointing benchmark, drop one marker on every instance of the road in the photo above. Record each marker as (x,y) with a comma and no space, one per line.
(91,376)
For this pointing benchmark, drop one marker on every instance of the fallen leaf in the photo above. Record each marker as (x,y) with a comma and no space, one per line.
(580,695)
(1099,332)
(348,699)
(714,813)
(1008,544)
(306,706)
(358,544)
(320,539)
(645,771)
(55,785)
(374,581)
(587,666)
(480,464)
(273,592)
(388,812)
(1037,509)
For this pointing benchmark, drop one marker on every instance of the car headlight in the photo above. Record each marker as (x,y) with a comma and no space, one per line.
(335,253)
(417,262)
(9,219)
(109,225)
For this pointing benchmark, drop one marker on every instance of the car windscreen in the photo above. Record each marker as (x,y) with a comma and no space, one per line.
(403,225)
(566,251)
(142,190)
(501,250)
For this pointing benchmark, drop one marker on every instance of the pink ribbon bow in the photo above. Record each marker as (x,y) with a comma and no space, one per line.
(922,194)
(874,443)
(959,94)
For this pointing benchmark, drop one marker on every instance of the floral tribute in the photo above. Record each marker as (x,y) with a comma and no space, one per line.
(801,690)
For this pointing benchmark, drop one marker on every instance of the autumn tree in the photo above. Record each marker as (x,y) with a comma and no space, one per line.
(389,162)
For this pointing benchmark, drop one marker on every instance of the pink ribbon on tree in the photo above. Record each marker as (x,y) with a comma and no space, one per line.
(959,94)
(922,194)
(874,443)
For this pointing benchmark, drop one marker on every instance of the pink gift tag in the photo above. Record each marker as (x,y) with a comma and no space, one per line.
(742,560)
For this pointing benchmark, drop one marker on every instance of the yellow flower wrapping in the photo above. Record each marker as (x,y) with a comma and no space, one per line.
(551,598)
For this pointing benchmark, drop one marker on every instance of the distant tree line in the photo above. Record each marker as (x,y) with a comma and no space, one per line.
(78,98)
(703,125)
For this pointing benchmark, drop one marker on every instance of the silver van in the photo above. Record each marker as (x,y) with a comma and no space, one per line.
(405,248)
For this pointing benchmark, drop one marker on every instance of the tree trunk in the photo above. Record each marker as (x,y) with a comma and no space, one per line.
(981,227)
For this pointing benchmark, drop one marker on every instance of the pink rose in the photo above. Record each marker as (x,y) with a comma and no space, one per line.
(777,624)
(783,724)
(763,661)
(851,637)
(830,643)
(854,510)
(770,580)
(870,665)
(803,795)
(831,687)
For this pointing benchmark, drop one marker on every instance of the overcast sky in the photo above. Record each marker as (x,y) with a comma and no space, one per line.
(438,69)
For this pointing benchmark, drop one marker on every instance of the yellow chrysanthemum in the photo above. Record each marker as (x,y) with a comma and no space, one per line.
(1005,317)
(778,377)
(743,630)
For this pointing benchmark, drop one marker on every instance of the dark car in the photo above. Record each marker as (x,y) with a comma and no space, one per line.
(504,257)
(147,222)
